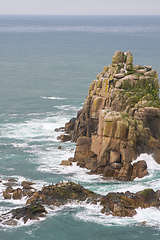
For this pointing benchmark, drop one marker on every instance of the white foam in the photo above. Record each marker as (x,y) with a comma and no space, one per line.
(33,129)
(20,145)
(20,222)
(47,164)
(9,204)
(148,215)
(37,186)
(92,213)
(151,163)
(67,108)
(27,134)
(54,98)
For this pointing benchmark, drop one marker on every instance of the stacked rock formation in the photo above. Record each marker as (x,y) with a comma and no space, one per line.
(120,119)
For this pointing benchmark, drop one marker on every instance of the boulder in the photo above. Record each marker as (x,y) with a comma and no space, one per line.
(146,198)
(12,180)
(125,172)
(32,212)
(6,195)
(71,159)
(61,129)
(139,170)
(64,138)
(91,164)
(17,194)
(70,125)
(66,163)
(9,190)
(27,185)
(28,192)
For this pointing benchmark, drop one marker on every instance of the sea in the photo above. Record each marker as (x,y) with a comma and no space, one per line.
(46,66)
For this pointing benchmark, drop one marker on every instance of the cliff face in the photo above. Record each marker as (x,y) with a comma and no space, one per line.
(120,119)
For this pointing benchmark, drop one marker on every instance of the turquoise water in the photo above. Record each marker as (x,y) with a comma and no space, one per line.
(47,64)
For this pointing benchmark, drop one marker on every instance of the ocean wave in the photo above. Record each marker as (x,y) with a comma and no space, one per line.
(145,217)
(54,98)
(33,129)
(151,163)
(67,107)
(93,29)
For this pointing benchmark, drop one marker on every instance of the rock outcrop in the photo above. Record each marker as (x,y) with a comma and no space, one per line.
(116,204)
(61,193)
(25,190)
(120,119)
(52,195)
(29,212)
(125,204)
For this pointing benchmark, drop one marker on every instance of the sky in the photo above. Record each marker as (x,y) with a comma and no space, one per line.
(80,7)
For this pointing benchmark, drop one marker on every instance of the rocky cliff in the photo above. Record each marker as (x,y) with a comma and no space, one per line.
(120,119)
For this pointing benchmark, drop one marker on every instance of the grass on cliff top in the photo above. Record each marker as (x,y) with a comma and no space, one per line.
(145,89)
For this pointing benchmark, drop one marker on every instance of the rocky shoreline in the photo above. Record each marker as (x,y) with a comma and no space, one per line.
(120,119)
(56,195)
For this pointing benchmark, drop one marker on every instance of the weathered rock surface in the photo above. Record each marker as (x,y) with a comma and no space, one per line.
(18,193)
(117,204)
(70,125)
(66,163)
(125,204)
(55,195)
(61,193)
(64,138)
(32,212)
(120,119)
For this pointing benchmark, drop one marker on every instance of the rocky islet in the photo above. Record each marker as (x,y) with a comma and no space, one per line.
(120,119)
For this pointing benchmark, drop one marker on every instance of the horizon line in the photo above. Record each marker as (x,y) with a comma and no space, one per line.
(89,15)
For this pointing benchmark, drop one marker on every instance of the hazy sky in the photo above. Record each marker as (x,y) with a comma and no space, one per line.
(81,7)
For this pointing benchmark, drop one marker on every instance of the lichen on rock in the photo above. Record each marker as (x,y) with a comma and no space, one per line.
(121,114)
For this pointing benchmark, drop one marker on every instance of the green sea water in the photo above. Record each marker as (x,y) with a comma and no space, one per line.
(47,64)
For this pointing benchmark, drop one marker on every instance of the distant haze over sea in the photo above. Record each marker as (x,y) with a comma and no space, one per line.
(47,64)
